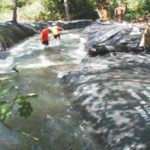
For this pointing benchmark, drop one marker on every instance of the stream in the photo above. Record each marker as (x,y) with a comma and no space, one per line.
(55,122)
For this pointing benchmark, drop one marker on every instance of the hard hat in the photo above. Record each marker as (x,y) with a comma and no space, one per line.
(53,24)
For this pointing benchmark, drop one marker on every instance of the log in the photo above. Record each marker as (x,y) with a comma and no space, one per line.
(101,50)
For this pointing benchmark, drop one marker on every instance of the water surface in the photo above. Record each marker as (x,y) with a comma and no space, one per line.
(55,121)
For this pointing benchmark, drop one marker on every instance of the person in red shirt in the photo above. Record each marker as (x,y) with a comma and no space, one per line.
(118,12)
(44,36)
(55,30)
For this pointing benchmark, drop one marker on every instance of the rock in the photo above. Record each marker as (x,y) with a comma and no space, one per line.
(103,34)
(74,24)
(11,32)
(104,49)
(112,87)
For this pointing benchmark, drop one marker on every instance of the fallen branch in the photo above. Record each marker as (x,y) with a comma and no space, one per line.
(104,49)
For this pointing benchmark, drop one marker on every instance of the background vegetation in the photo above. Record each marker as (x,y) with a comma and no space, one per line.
(135,8)
(36,10)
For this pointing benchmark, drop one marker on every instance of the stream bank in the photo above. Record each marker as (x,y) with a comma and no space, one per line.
(11,33)
(111,85)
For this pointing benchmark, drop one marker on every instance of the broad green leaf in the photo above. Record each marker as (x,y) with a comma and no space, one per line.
(4,92)
(2,103)
(5,78)
(3,85)
(17,100)
(10,101)
(5,112)
(30,95)
(26,109)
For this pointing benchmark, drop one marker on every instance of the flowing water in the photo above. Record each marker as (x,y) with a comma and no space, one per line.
(54,122)
(111,91)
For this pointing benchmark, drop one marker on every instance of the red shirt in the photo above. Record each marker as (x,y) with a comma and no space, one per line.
(119,10)
(44,35)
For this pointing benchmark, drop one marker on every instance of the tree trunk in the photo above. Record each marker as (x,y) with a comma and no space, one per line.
(101,50)
(15,11)
(102,7)
(62,9)
(67,10)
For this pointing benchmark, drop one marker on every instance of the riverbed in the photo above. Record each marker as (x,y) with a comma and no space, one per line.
(55,124)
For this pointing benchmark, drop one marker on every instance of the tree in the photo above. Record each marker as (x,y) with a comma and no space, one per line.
(83,9)
(67,10)
(102,6)
(15,11)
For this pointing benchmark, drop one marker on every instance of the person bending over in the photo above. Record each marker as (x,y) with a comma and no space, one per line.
(44,36)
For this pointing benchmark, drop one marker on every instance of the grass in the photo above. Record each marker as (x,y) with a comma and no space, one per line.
(29,12)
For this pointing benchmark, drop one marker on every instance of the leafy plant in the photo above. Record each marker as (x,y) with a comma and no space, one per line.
(7,105)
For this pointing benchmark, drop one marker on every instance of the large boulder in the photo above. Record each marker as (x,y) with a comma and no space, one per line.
(104,33)
(112,88)
(10,33)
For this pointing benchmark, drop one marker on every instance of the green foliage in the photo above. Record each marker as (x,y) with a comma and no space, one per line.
(53,9)
(5,111)
(25,109)
(143,7)
(83,9)
(31,12)
(21,3)
(7,105)
(134,8)
(79,9)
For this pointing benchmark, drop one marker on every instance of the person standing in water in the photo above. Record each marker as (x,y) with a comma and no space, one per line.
(118,12)
(145,41)
(55,31)
(44,36)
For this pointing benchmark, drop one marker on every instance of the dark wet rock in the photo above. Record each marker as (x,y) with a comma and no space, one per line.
(112,91)
(42,25)
(102,34)
(64,24)
(2,43)
(111,88)
(10,33)
(104,49)
(74,24)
